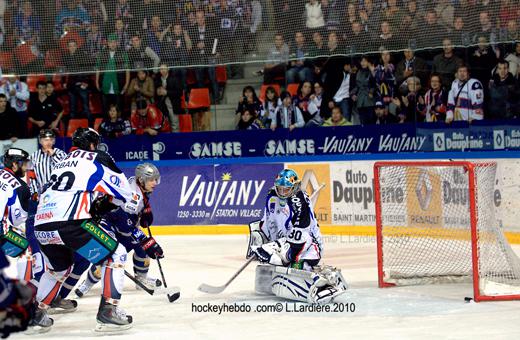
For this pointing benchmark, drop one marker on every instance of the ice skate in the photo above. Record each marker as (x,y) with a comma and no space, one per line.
(41,323)
(147,281)
(62,306)
(83,288)
(111,318)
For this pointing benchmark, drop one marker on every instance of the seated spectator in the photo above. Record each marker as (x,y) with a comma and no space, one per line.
(287,115)
(435,31)
(17,94)
(411,65)
(72,17)
(9,123)
(169,95)
(44,112)
(250,102)
(514,61)
(77,84)
(27,25)
(364,92)
(335,11)
(148,119)
(435,101)
(94,42)
(301,99)
(156,34)
(336,118)
(460,36)
(270,104)
(114,126)
(248,121)
(411,102)
(382,114)
(393,14)
(49,90)
(384,74)
(358,39)
(121,31)
(466,98)
(317,49)
(141,87)
(277,59)
(314,19)
(446,63)
(504,94)
(386,39)
(299,66)
(315,100)
(141,56)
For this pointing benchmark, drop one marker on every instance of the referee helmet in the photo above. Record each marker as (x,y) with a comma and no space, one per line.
(47,133)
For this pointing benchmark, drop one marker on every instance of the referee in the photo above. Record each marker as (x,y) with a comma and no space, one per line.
(44,159)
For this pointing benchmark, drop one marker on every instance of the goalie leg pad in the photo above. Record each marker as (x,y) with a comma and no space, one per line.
(263,279)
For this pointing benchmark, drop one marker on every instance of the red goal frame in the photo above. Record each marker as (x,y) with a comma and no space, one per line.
(470,168)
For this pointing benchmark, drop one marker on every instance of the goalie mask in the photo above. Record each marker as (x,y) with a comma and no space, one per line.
(146,172)
(287,183)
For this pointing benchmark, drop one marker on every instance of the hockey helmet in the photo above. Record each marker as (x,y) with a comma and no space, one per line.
(286,183)
(47,133)
(145,172)
(15,155)
(83,137)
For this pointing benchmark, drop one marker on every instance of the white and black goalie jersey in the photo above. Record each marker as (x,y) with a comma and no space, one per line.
(77,180)
(14,198)
(292,218)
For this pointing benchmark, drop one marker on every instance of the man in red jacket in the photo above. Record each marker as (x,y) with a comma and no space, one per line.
(148,119)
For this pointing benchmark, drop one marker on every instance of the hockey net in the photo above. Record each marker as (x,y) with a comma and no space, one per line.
(436,224)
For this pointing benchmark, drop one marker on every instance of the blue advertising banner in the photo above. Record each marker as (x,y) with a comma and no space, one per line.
(374,139)
(211,194)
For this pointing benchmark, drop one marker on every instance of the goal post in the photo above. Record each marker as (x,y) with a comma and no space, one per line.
(435,223)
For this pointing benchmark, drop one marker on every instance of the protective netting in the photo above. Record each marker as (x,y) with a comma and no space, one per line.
(35,35)
(426,228)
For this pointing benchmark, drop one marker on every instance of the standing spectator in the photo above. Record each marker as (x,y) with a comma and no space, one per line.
(112,74)
(124,12)
(94,41)
(331,72)
(316,100)
(504,94)
(466,98)
(384,74)
(358,39)
(141,87)
(169,95)
(203,53)
(445,12)
(156,34)
(175,50)
(314,15)
(44,112)
(27,25)
(77,82)
(141,56)
(9,122)
(17,94)
(72,17)
(249,121)
(289,12)
(335,11)
(317,52)
(287,115)
(148,119)
(256,24)
(364,92)
(123,38)
(435,101)
(482,61)
(393,14)
(336,118)
(513,59)
(382,115)
(433,33)
(299,69)
(487,29)
(386,39)
(411,102)
(370,18)
(446,63)
(460,36)
(250,102)
(277,59)
(270,104)
(343,91)
(114,126)
(411,65)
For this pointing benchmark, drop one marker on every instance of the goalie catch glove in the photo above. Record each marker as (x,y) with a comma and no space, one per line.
(152,248)
(277,253)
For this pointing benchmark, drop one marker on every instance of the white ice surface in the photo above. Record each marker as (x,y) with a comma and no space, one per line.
(420,312)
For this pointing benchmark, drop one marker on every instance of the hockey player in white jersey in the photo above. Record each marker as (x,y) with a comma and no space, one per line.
(466,98)
(65,224)
(288,237)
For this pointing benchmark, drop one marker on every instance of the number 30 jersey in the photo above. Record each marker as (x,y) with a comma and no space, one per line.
(77,180)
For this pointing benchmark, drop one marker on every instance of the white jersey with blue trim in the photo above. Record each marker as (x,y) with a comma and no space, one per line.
(77,180)
(292,218)
(14,198)
(466,100)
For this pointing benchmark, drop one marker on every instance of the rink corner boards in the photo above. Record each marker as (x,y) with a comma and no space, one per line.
(326,229)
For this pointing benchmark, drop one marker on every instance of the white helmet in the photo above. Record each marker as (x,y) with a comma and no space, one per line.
(145,172)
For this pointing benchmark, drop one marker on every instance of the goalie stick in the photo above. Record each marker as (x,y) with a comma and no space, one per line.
(173,293)
(219,289)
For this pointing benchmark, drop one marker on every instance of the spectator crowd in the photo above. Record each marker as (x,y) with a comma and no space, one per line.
(331,62)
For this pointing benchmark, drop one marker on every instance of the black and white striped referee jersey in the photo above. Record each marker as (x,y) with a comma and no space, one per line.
(42,167)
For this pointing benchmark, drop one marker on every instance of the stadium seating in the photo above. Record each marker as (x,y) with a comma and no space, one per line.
(74,124)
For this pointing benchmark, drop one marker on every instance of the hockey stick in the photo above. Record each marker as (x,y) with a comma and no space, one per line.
(175,296)
(172,293)
(219,289)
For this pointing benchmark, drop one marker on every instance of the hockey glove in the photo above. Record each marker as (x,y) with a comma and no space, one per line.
(101,206)
(152,248)
(20,312)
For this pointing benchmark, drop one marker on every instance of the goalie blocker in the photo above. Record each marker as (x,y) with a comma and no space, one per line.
(320,285)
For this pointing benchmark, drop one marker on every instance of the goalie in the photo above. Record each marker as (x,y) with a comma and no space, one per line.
(288,239)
